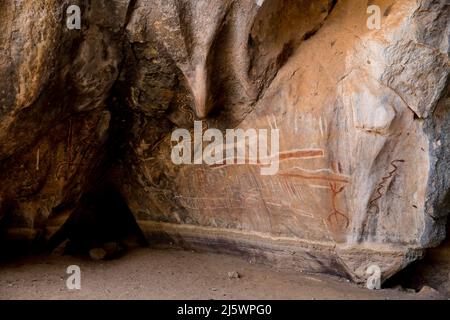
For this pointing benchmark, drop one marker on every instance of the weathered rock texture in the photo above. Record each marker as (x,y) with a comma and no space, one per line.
(363,118)
(433,270)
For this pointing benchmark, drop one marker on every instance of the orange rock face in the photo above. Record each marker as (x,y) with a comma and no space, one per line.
(361,115)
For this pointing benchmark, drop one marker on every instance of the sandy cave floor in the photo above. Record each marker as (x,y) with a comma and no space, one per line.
(173,274)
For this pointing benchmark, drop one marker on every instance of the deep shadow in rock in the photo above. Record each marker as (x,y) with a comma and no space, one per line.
(433,270)
(102,218)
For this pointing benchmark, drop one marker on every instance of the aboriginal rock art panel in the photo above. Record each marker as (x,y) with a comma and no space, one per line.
(382,186)
(282,156)
(296,196)
(68,164)
(76,149)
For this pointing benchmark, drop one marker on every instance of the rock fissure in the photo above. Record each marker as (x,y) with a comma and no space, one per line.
(89,109)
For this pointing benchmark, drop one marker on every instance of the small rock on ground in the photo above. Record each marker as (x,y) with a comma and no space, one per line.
(430,293)
(97,254)
(233,275)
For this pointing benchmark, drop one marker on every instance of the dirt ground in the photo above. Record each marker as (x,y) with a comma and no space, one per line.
(174,274)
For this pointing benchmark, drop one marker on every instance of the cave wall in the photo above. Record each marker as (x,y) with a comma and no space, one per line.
(53,120)
(362,117)
(434,269)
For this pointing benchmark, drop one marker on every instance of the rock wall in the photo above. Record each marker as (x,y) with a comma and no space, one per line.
(433,270)
(363,119)
(53,120)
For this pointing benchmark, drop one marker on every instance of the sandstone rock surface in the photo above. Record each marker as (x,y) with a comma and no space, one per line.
(363,119)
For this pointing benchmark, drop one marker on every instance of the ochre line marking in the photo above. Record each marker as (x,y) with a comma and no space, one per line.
(331,177)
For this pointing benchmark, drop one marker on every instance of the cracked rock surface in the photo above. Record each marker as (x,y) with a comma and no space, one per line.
(363,118)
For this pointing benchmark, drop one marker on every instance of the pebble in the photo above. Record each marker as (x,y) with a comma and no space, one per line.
(97,254)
